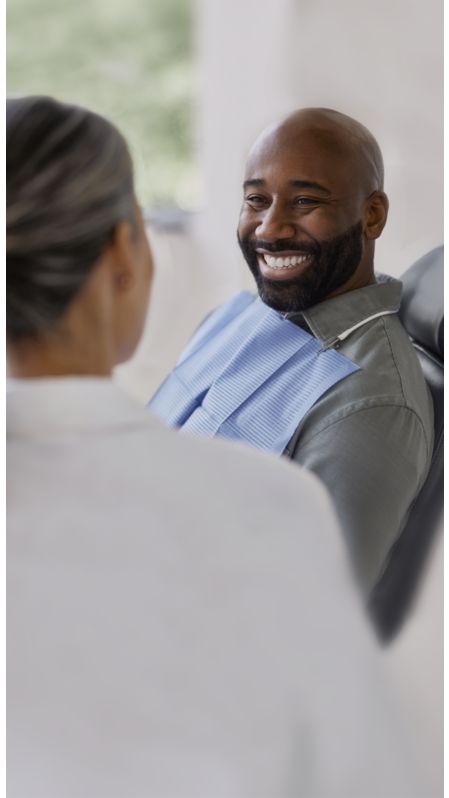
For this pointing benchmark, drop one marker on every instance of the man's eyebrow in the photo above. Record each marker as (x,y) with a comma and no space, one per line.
(309,184)
(258,182)
(254,182)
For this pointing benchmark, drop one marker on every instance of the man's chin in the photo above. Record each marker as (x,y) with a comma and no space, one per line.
(287,297)
(289,294)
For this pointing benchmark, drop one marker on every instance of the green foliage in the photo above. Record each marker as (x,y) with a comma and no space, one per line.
(130,60)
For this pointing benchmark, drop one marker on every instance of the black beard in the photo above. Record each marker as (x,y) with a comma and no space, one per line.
(334,262)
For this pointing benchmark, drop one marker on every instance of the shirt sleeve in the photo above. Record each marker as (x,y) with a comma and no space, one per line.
(373,461)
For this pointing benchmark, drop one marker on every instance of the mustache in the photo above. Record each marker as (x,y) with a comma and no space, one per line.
(280,246)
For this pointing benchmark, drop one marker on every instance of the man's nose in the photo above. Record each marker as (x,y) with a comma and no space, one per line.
(275,223)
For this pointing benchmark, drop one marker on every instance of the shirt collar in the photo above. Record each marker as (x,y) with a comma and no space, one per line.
(332,318)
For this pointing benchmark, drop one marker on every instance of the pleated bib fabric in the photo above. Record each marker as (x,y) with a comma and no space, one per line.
(248,374)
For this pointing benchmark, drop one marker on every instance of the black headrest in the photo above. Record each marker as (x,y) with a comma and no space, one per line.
(422,309)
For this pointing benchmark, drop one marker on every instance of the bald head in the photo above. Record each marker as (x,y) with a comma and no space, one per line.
(334,133)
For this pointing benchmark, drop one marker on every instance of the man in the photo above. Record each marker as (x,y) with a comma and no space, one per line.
(340,390)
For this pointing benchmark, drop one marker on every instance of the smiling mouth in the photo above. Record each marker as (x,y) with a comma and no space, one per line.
(283,265)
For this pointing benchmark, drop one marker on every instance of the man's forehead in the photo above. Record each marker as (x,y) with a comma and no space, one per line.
(324,141)
(297,153)
(301,131)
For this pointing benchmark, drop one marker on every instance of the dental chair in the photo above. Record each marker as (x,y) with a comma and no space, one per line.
(422,314)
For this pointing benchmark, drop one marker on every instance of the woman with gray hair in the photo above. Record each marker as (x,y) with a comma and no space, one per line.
(180,618)
(70,205)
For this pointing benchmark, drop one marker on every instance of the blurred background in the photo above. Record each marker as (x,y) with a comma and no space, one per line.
(131,61)
(191,83)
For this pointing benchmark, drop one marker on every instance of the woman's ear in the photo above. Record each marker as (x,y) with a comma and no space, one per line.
(123,256)
(376,212)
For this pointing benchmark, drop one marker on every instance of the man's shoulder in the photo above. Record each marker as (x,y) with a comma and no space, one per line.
(389,375)
(389,366)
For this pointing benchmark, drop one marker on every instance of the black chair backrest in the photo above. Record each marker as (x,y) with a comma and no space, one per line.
(422,314)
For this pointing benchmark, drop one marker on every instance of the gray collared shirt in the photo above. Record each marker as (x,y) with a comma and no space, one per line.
(370,437)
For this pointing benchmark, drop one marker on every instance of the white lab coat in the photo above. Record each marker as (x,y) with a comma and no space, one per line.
(181,622)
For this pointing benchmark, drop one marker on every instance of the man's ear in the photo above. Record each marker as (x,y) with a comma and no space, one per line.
(122,252)
(376,212)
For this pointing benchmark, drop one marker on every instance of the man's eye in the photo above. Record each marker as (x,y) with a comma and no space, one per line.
(305,201)
(256,199)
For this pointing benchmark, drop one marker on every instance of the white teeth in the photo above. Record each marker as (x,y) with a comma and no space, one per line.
(284,263)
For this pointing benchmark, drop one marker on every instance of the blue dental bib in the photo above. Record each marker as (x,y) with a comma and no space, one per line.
(248,374)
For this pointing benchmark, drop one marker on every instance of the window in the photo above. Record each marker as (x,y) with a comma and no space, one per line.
(131,60)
